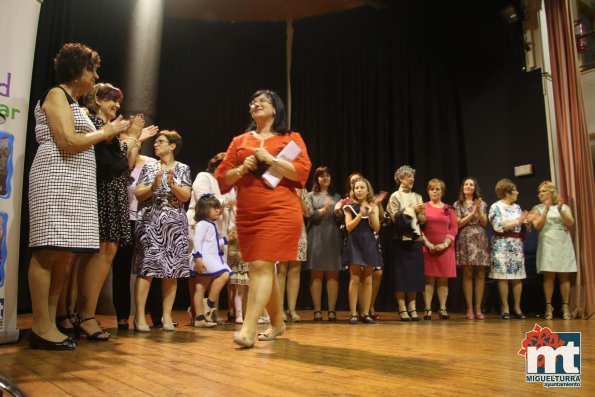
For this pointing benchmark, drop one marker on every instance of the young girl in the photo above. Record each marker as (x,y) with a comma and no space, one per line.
(361,248)
(209,262)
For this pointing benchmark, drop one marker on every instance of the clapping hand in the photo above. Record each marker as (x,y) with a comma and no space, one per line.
(114,128)
(378,198)
(136,124)
(157,180)
(148,132)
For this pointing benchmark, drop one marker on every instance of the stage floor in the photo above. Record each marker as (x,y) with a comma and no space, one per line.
(427,358)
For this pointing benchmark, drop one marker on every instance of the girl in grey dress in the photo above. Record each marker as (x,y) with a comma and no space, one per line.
(324,243)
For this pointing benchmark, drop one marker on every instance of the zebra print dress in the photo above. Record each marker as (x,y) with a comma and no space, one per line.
(162,228)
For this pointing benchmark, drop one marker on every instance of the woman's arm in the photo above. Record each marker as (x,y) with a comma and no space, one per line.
(566,215)
(61,124)
(373,217)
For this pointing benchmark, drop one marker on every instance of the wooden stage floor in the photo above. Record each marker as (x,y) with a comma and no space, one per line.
(457,357)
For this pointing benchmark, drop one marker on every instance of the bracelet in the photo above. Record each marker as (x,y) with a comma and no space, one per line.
(239,171)
(133,138)
(275,161)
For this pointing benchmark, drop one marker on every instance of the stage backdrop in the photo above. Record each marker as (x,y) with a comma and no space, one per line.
(15,82)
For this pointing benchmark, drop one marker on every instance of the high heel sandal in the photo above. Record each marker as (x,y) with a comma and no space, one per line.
(443,314)
(567,315)
(96,336)
(404,319)
(332,315)
(546,315)
(293,316)
(413,318)
(61,328)
(353,319)
(317,315)
(427,314)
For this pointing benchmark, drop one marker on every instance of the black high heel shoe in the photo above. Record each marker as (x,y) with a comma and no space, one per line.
(61,328)
(317,315)
(99,336)
(37,342)
(443,314)
(405,319)
(427,314)
(332,316)
(416,318)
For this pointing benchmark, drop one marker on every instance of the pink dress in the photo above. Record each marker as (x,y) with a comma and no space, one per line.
(440,223)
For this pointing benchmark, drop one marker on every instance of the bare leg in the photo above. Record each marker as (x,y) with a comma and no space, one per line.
(548,291)
(517,289)
(376,280)
(282,268)
(275,309)
(91,278)
(239,303)
(316,289)
(141,291)
(468,288)
(442,292)
(62,310)
(293,288)
(354,287)
(564,280)
(411,304)
(503,290)
(332,289)
(40,286)
(200,288)
(169,286)
(401,306)
(429,292)
(479,288)
(262,275)
(367,293)
(192,281)
(217,285)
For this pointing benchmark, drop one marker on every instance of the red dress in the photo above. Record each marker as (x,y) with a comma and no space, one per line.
(440,223)
(269,221)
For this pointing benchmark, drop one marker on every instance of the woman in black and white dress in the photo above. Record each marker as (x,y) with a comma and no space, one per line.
(62,189)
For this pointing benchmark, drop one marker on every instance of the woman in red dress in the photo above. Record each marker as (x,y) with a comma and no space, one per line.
(439,255)
(269,220)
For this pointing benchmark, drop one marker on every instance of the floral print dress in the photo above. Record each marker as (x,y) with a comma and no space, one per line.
(508,258)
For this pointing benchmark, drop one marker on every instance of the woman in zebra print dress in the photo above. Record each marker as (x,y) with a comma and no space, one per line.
(162,229)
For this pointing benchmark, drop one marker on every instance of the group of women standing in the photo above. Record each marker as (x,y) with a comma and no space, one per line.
(79,204)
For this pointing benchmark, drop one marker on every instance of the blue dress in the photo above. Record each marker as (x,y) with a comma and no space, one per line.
(508,258)
(361,247)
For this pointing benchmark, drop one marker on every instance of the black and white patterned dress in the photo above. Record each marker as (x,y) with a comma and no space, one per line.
(112,198)
(161,248)
(62,189)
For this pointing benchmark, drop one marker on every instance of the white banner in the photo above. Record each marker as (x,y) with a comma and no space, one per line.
(18,28)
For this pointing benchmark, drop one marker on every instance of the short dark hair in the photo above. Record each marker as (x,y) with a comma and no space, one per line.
(72,59)
(280,122)
(204,205)
(103,91)
(214,162)
(323,169)
(172,137)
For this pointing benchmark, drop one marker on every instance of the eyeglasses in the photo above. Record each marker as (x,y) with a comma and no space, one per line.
(260,101)
(161,141)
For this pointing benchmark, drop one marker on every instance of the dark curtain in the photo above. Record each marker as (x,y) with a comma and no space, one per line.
(208,72)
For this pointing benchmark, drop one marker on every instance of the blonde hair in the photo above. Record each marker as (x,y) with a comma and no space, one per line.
(370,196)
(435,181)
(550,187)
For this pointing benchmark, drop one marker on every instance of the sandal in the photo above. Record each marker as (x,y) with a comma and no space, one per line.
(99,336)
(443,314)
(567,315)
(332,316)
(317,315)
(546,315)
(411,316)
(63,329)
(293,316)
(404,319)
(353,319)
(427,314)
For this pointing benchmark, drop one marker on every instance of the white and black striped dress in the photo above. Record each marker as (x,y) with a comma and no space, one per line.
(62,190)
(161,248)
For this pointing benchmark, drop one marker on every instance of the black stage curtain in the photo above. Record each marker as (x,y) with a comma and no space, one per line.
(438,86)
(208,72)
